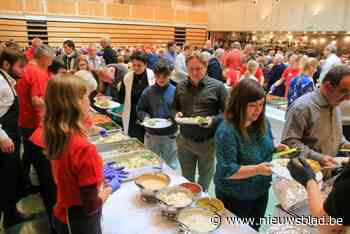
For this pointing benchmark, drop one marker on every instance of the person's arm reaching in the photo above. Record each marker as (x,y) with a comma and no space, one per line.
(296,122)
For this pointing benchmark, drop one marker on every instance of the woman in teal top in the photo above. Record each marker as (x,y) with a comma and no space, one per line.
(244,148)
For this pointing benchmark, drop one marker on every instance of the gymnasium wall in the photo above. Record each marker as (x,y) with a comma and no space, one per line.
(85,21)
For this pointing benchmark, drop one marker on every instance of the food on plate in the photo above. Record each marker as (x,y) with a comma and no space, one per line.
(112,137)
(193,120)
(102,102)
(316,167)
(151,122)
(211,203)
(177,197)
(198,220)
(153,181)
(139,160)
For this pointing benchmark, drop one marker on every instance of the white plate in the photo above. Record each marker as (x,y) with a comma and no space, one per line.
(158,123)
(112,104)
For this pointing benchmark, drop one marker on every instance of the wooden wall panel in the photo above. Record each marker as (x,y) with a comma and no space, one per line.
(85,33)
(62,7)
(119,11)
(34,7)
(14,29)
(196,37)
(142,12)
(11,6)
(164,14)
(88,8)
(197,17)
(181,16)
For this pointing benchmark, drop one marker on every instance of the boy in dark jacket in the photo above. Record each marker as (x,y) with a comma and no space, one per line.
(156,102)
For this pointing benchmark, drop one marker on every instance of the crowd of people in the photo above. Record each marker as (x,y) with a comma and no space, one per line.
(46,93)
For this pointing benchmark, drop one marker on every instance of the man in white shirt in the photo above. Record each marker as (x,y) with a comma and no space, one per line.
(180,63)
(95,62)
(12,65)
(330,53)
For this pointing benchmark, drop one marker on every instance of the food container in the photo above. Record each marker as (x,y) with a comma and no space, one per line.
(136,163)
(212,204)
(120,147)
(99,118)
(195,188)
(112,137)
(198,220)
(173,199)
(109,126)
(151,183)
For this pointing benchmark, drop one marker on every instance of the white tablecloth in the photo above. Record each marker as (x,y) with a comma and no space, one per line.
(125,213)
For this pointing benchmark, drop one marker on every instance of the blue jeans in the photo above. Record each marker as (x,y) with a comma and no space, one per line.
(164,146)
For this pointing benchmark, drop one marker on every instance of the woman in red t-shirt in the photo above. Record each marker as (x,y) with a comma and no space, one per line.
(77,167)
(292,71)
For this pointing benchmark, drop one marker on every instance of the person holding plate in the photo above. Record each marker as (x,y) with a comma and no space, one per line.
(244,148)
(156,102)
(205,97)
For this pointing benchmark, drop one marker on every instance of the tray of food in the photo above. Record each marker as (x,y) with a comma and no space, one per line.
(110,138)
(105,102)
(120,147)
(99,118)
(193,120)
(109,126)
(276,100)
(137,163)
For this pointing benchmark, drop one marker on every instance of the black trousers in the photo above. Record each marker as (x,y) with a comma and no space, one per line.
(47,185)
(27,157)
(10,180)
(79,222)
(245,208)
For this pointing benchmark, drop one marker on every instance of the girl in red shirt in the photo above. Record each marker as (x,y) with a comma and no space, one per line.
(77,167)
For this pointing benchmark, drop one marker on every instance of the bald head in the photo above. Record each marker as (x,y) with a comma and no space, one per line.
(36,42)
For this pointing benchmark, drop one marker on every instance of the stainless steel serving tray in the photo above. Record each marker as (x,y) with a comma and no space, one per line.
(96,139)
(120,147)
(122,159)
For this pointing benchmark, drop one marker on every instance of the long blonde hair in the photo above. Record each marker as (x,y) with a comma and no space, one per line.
(63,113)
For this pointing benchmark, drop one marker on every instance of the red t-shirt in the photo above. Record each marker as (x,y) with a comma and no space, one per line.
(233,60)
(78,166)
(32,84)
(258,74)
(232,77)
(289,74)
(29,53)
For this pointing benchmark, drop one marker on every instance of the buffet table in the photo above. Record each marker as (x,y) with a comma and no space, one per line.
(124,213)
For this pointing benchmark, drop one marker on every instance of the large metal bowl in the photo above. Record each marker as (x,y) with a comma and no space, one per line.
(198,220)
(151,183)
(171,208)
